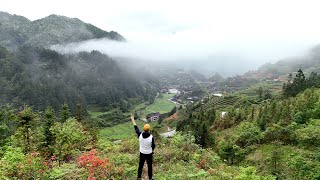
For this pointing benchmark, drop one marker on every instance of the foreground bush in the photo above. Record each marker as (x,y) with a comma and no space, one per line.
(96,167)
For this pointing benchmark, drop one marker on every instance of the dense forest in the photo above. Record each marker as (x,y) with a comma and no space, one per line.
(40,77)
(33,74)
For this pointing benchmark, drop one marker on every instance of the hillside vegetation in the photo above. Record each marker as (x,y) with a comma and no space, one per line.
(44,146)
(278,136)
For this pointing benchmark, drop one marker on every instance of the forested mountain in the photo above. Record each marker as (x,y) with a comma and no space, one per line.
(32,74)
(17,30)
(42,77)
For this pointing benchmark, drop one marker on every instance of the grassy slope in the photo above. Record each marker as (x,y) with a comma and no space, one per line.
(274,87)
(161,105)
(170,160)
(120,131)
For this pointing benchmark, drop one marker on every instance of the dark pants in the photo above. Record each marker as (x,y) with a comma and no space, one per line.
(143,158)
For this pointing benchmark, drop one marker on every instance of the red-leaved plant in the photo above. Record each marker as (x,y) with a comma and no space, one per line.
(96,167)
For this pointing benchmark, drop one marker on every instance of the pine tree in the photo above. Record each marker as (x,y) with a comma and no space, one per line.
(65,113)
(260,92)
(25,119)
(201,133)
(79,113)
(267,94)
(49,120)
(298,84)
(252,113)
(211,116)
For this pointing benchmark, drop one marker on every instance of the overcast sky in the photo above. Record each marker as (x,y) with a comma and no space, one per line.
(262,31)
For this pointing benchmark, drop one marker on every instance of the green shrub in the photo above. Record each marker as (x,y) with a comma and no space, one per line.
(303,168)
(12,162)
(309,135)
(276,132)
(249,173)
(68,171)
(70,139)
(206,159)
(16,164)
(230,152)
(247,134)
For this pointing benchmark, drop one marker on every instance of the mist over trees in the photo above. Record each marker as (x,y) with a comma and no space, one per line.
(34,75)
(300,82)
(42,77)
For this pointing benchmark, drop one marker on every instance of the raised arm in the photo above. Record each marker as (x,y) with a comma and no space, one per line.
(132,119)
(135,126)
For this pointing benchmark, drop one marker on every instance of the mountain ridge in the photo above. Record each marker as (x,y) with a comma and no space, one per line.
(17,30)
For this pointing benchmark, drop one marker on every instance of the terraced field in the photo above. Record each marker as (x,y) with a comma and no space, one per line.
(221,102)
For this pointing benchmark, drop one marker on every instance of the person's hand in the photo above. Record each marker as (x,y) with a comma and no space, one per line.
(132,119)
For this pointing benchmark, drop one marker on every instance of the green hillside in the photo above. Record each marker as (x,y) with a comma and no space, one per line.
(278,136)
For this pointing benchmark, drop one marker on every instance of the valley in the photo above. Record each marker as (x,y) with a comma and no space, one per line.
(65,113)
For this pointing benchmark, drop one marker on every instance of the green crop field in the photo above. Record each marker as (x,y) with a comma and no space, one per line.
(121,131)
(124,130)
(161,105)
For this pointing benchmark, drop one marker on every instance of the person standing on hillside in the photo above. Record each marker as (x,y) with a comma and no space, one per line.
(146,147)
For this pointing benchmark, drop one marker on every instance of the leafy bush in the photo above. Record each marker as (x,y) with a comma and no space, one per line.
(16,164)
(309,135)
(247,134)
(70,138)
(67,171)
(95,166)
(8,123)
(249,173)
(206,159)
(12,162)
(303,168)
(302,117)
(230,152)
(276,132)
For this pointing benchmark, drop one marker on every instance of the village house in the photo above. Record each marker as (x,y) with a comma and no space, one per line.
(173,91)
(164,90)
(281,79)
(218,95)
(153,117)
(193,98)
(223,114)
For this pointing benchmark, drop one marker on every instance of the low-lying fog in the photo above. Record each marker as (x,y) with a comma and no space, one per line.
(206,57)
(228,37)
